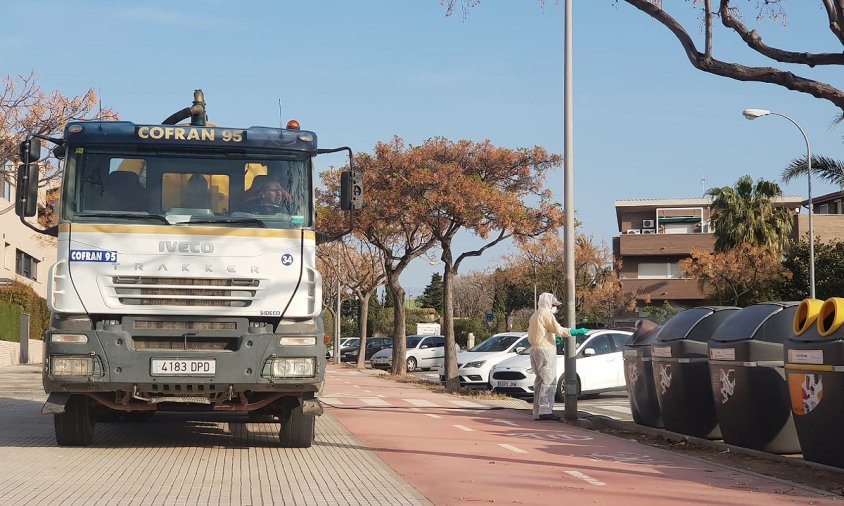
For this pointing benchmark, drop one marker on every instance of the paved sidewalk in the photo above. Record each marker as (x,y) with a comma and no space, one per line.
(457,451)
(180,459)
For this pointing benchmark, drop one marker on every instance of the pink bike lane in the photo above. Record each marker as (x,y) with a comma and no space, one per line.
(459,451)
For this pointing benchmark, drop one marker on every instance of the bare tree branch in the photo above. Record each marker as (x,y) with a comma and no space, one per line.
(737,71)
(754,41)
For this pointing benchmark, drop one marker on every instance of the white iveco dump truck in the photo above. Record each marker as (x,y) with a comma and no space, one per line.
(186,275)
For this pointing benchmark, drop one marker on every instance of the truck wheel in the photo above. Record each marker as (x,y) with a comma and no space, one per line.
(297,428)
(411,364)
(75,427)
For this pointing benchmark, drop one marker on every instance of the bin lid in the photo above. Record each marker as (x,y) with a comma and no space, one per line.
(645,334)
(696,324)
(769,321)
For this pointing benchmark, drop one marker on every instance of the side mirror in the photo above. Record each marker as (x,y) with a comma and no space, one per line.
(588,352)
(520,350)
(351,190)
(26,197)
(30,150)
(424,346)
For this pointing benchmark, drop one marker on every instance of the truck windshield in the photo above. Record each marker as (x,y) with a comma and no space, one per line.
(243,189)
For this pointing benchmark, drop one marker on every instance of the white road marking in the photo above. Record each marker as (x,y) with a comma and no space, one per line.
(512,448)
(464,428)
(432,415)
(331,401)
(346,382)
(467,404)
(374,401)
(421,403)
(585,477)
(368,391)
(506,422)
(415,410)
(617,409)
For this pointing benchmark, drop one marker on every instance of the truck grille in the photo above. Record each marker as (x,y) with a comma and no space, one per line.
(155,291)
(186,343)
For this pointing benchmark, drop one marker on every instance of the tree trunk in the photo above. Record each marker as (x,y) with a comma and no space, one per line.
(363,311)
(452,380)
(399,366)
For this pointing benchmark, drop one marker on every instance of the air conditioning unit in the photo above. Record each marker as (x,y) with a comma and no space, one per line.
(648,224)
(633,231)
(648,230)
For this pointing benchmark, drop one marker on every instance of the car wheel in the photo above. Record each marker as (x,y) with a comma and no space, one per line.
(561,389)
(411,364)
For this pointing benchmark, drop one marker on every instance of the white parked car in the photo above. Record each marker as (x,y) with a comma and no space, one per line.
(473,366)
(600,367)
(423,352)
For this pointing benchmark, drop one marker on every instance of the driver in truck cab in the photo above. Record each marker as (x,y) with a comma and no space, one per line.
(267,196)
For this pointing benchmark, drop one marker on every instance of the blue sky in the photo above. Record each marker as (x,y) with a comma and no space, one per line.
(647,125)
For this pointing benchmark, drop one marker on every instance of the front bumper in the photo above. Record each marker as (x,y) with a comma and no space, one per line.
(122,358)
(511,383)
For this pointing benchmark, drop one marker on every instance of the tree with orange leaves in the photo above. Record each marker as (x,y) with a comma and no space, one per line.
(26,109)
(491,192)
(740,276)
(386,221)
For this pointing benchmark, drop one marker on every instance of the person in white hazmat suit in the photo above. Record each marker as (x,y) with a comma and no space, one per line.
(542,330)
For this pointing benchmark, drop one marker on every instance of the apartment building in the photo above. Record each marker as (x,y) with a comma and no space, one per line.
(654,236)
(828,219)
(25,255)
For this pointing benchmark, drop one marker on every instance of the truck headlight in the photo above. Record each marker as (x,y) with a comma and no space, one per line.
(297,341)
(64,365)
(69,338)
(294,367)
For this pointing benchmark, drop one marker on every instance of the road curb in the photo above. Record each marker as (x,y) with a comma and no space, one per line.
(708,443)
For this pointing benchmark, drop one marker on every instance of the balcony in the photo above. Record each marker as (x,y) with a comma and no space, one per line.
(663,244)
(664,289)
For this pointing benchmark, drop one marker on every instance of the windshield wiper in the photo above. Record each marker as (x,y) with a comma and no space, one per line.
(254,221)
(156,217)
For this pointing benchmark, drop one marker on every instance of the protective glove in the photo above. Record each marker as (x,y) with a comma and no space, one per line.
(558,340)
(578,332)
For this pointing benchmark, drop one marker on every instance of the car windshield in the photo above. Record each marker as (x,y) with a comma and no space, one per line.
(579,340)
(126,184)
(497,343)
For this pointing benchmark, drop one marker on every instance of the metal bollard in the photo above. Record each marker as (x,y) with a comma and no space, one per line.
(24,355)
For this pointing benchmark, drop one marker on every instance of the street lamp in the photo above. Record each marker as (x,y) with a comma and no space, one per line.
(758,113)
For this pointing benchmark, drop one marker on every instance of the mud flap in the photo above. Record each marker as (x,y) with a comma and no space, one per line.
(55,404)
(312,407)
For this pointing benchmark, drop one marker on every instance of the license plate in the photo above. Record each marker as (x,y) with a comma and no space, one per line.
(508,384)
(187,367)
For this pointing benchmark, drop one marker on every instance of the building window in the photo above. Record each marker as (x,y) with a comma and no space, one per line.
(5,187)
(823,209)
(26,265)
(662,270)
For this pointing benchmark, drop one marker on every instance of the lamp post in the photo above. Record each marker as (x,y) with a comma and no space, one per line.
(568,191)
(752,114)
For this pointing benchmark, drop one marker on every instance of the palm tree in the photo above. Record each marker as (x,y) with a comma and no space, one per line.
(746,214)
(825,168)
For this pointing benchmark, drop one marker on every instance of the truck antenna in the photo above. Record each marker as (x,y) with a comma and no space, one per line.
(100,100)
(280,118)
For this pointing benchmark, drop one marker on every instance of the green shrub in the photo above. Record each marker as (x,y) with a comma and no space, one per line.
(10,323)
(30,303)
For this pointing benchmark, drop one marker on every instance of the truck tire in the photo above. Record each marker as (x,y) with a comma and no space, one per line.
(75,427)
(297,428)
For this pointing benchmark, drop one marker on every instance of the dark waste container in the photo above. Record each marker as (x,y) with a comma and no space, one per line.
(748,378)
(681,371)
(639,376)
(814,364)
